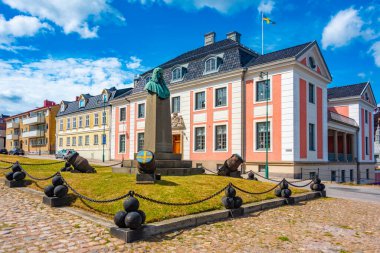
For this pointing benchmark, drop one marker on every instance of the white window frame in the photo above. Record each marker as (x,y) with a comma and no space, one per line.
(74,122)
(180,78)
(308,92)
(194,139)
(195,100)
(179,97)
(138,108)
(80,124)
(137,140)
(214,137)
(104,118)
(61,125)
(96,119)
(221,87)
(96,137)
(82,103)
(68,124)
(205,72)
(87,140)
(256,80)
(125,144)
(87,120)
(125,118)
(62,107)
(68,140)
(254,135)
(73,141)
(80,140)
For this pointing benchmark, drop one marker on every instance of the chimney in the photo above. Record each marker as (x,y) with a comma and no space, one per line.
(77,98)
(234,36)
(48,103)
(210,38)
(136,80)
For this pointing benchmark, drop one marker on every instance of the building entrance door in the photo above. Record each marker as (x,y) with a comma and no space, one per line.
(177,144)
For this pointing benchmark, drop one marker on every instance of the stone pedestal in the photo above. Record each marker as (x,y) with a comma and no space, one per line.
(158,126)
(14,184)
(56,202)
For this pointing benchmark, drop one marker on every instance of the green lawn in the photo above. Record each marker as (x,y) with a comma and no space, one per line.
(106,185)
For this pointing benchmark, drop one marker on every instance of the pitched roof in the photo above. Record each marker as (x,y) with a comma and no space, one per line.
(235,56)
(351,90)
(93,102)
(278,55)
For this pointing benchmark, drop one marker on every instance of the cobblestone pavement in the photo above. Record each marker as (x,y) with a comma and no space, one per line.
(325,225)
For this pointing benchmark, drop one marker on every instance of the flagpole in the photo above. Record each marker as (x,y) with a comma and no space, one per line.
(262,33)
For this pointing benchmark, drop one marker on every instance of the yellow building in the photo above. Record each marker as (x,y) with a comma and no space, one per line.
(85,124)
(33,131)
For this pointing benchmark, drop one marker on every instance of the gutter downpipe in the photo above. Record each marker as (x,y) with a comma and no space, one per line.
(243,119)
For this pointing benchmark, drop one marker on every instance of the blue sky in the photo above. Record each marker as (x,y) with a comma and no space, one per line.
(59,49)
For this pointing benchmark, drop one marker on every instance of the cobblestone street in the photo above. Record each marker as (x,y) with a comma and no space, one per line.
(327,225)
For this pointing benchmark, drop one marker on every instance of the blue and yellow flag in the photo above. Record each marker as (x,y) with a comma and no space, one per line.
(269,21)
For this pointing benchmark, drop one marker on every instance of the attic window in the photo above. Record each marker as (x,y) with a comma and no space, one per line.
(105,98)
(312,63)
(62,107)
(212,64)
(366,96)
(178,73)
(82,103)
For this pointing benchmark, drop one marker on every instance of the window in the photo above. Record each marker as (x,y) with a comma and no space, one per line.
(211,65)
(68,123)
(333,175)
(104,139)
(262,90)
(87,140)
(96,139)
(199,139)
(261,129)
(104,118)
(141,111)
(122,114)
(221,97)
(74,123)
(312,64)
(80,121)
(177,74)
(60,142)
(62,107)
(87,120)
(176,104)
(366,146)
(367,173)
(105,97)
(74,141)
(67,141)
(311,93)
(61,125)
(312,137)
(122,143)
(366,116)
(81,103)
(221,138)
(140,141)
(96,119)
(80,141)
(200,102)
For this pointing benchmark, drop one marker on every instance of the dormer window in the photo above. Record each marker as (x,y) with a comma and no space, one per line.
(213,63)
(176,74)
(62,107)
(82,103)
(105,98)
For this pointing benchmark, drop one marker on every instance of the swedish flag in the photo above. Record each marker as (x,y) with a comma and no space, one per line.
(269,21)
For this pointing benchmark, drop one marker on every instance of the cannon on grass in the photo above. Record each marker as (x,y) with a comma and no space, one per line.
(79,163)
(230,166)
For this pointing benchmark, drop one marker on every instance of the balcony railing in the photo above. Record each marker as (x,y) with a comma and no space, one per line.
(13,125)
(33,133)
(332,158)
(12,137)
(343,119)
(34,120)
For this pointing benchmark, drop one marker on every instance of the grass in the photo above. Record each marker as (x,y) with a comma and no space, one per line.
(284,238)
(105,185)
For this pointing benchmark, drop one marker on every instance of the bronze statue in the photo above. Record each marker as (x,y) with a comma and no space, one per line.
(157,85)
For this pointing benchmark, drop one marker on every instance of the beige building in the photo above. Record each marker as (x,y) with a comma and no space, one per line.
(33,131)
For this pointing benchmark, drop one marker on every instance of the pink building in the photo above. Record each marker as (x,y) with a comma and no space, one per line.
(219,99)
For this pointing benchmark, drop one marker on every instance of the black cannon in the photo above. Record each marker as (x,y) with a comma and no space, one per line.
(79,163)
(230,166)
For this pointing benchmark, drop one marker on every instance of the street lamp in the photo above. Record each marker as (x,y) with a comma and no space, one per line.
(262,74)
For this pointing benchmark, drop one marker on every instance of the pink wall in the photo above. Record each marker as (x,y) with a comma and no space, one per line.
(210,153)
(275,155)
(303,119)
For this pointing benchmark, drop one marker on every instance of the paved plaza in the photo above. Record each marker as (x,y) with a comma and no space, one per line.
(327,225)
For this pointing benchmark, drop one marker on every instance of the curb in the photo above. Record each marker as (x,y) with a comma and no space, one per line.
(162,227)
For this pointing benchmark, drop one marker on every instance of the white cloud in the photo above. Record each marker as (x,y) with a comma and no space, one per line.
(362,75)
(24,85)
(345,26)
(134,63)
(375,51)
(266,6)
(342,28)
(74,16)
(225,7)
(17,27)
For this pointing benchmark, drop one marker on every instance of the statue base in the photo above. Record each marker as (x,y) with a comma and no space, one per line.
(142,178)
